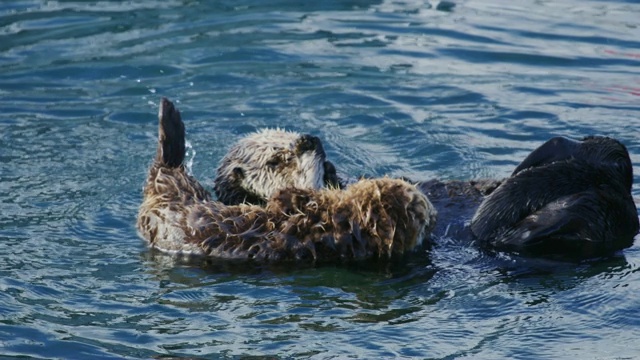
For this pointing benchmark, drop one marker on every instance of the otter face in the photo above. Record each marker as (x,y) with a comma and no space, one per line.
(270,160)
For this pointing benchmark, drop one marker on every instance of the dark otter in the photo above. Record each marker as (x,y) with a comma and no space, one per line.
(262,163)
(567,198)
(373,218)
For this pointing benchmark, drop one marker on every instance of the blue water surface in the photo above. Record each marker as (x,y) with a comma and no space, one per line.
(423,89)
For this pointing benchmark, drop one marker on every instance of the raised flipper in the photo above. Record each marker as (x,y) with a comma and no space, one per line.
(171,148)
(598,151)
(580,225)
(168,178)
(555,149)
(563,207)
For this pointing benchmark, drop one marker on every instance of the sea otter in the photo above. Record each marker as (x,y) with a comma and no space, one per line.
(372,218)
(567,198)
(269,160)
(254,168)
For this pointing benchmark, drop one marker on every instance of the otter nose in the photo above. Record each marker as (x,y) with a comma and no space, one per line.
(308,142)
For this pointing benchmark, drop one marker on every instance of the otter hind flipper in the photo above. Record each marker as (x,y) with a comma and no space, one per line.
(558,227)
(578,207)
(581,225)
(171,135)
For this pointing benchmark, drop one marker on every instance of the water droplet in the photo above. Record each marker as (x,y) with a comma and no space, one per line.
(191,154)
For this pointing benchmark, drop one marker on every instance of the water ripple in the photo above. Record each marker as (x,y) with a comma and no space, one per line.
(406,88)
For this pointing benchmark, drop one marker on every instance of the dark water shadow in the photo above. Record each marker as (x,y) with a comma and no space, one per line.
(566,273)
(395,267)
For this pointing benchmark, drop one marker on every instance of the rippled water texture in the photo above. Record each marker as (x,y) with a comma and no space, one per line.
(422,89)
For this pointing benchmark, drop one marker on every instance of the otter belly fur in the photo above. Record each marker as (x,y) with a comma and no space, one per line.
(372,218)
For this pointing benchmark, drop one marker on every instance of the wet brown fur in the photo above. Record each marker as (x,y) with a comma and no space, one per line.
(372,218)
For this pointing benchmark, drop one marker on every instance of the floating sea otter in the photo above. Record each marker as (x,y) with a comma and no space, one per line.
(372,218)
(264,162)
(567,198)
(261,163)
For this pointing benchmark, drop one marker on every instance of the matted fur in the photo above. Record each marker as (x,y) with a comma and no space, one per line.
(271,159)
(373,218)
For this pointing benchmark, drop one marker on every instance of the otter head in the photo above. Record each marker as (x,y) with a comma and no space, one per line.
(270,160)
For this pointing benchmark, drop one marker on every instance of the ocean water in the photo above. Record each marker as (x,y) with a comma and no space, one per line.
(423,89)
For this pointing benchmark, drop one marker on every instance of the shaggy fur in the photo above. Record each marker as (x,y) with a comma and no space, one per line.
(272,159)
(373,218)
(455,201)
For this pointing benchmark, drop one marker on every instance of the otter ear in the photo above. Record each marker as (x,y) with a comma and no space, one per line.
(235,192)
(331,178)
(238,174)
(229,189)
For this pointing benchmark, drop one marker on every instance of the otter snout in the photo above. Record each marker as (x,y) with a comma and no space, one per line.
(307,143)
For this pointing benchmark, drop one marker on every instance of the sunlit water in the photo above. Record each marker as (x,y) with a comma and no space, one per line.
(423,89)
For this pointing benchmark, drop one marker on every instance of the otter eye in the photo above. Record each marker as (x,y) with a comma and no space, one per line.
(273,162)
(238,173)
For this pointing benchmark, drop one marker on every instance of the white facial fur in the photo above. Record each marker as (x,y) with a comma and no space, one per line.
(270,160)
